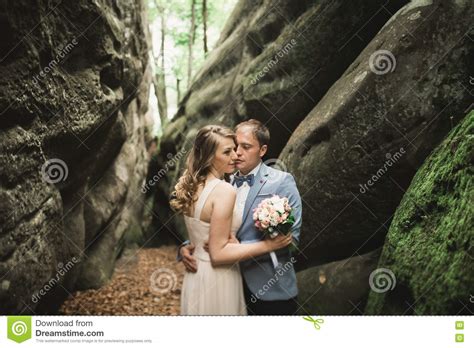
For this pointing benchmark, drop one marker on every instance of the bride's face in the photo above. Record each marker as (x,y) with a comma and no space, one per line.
(224,159)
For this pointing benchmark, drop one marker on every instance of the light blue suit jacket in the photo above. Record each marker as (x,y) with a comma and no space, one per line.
(264,281)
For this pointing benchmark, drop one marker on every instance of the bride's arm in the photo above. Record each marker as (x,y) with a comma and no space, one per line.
(220,249)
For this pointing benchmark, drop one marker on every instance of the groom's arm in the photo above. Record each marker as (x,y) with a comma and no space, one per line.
(288,189)
(185,254)
(179,257)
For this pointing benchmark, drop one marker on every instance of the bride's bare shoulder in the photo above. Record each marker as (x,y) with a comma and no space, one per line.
(224,188)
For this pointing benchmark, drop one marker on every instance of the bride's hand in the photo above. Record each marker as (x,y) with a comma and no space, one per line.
(279,241)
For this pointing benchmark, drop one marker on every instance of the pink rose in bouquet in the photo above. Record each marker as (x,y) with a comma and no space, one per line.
(273,216)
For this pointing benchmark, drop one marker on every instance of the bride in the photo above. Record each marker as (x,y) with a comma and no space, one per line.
(207,202)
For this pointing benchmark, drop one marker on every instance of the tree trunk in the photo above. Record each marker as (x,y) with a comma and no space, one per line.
(163,33)
(191,41)
(160,93)
(178,91)
(204,25)
(159,80)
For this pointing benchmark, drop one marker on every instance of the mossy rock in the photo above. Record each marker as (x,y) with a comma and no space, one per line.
(429,246)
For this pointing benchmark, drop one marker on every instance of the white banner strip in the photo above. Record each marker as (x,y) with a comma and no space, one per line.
(238,332)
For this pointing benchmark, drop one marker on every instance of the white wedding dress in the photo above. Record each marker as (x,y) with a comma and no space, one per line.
(211,290)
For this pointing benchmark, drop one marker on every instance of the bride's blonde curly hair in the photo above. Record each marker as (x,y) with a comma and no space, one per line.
(198,165)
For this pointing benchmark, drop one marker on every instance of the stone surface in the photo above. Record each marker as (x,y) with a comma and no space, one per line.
(356,152)
(430,245)
(337,288)
(74,87)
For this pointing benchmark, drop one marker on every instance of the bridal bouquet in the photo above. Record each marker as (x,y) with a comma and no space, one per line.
(273,216)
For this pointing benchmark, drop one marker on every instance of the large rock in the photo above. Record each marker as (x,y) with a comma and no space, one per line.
(337,288)
(430,245)
(115,206)
(355,154)
(72,87)
(274,61)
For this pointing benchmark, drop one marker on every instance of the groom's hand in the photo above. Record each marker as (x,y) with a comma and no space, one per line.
(232,239)
(188,259)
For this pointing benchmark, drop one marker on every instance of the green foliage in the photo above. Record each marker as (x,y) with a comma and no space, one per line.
(178,25)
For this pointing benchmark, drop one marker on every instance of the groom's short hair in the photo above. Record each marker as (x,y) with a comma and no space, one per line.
(260,131)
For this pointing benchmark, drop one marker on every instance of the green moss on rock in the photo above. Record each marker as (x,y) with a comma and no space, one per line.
(429,246)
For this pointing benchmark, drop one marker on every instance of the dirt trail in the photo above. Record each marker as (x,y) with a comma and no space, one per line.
(147,282)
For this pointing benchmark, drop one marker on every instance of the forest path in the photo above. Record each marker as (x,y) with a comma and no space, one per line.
(145,282)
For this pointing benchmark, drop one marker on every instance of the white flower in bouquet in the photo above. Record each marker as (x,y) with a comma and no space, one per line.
(273,216)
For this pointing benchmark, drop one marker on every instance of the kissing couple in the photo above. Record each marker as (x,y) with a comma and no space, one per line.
(232,267)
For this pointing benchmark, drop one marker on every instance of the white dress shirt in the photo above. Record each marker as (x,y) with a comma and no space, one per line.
(243,191)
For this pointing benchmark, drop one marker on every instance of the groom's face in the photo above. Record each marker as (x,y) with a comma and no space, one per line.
(249,152)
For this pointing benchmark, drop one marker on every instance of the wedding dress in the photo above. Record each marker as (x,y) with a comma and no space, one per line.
(211,290)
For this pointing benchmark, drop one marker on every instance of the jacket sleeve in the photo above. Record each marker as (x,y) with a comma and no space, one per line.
(288,189)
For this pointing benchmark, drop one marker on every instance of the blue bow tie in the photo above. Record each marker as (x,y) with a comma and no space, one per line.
(240,179)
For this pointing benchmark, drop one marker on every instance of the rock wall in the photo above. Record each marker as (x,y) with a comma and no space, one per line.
(73,97)
(356,152)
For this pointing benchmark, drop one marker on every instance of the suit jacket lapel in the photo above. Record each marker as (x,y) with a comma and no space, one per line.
(260,180)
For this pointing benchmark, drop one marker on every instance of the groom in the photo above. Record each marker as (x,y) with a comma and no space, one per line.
(270,287)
